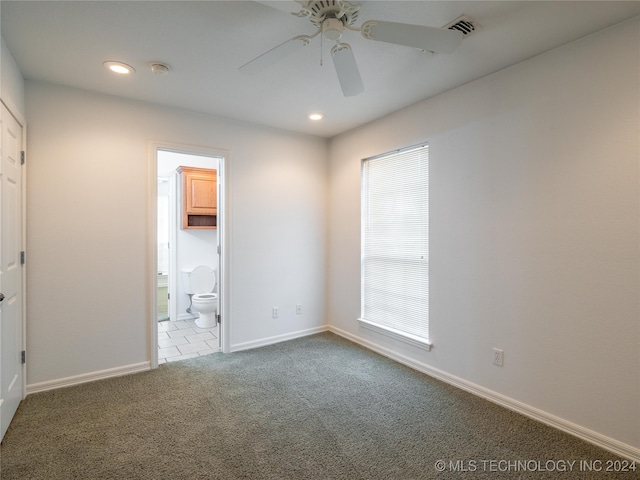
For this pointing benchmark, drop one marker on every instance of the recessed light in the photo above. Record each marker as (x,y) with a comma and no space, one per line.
(315,116)
(119,67)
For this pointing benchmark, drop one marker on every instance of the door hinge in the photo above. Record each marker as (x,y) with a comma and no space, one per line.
(22,260)
(218,249)
(23,356)
(22,157)
(219,318)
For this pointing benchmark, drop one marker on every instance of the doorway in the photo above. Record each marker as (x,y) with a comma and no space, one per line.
(179,330)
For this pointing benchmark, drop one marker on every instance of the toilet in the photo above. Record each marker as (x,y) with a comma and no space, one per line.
(199,283)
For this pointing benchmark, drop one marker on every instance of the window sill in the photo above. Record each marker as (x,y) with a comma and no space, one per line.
(396,334)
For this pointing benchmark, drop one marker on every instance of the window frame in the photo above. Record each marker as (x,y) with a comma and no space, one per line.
(422,210)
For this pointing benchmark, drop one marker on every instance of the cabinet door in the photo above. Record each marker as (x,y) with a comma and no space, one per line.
(201,193)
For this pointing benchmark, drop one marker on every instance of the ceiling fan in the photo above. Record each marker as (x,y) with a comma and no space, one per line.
(332,18)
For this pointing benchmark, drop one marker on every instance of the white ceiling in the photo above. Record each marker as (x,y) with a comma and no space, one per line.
(205,42)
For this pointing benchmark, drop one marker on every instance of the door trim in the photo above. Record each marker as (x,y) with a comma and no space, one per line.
(152,248)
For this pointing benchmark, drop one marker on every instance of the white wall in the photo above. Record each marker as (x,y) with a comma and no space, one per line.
(87,236)
(534,232)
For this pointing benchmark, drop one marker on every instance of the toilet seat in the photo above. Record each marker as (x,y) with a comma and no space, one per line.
(205,296)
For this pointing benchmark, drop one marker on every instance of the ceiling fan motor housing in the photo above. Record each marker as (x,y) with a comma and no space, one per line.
(317,11)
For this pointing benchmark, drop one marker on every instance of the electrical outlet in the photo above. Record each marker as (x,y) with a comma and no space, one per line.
(299,309)
(275,312)
(498,357)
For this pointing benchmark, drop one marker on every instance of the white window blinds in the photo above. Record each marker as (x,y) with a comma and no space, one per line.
(395,242)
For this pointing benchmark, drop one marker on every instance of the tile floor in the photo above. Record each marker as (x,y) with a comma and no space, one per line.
(183,339)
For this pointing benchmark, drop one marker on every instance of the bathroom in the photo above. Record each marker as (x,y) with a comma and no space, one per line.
(187,258)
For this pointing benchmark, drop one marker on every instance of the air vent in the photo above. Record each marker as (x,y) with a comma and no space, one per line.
(464,24)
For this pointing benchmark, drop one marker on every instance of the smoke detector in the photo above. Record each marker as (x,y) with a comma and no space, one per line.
(159,68)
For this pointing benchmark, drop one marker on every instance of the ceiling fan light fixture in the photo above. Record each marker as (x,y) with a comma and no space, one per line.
(119,67)
(332,29)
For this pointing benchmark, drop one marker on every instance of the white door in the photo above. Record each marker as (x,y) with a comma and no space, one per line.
(11,367)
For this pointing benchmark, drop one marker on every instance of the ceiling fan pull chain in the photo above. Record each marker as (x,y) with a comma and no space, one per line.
(321,49)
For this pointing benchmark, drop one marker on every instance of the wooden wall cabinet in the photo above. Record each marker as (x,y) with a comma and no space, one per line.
(199,197)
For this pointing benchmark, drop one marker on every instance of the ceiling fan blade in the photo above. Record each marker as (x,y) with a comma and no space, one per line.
(275,54)
(347,70)
(438,40)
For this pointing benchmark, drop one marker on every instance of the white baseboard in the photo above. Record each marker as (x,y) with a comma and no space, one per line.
(144,366)
(595,438)
(87,377)
(263,342)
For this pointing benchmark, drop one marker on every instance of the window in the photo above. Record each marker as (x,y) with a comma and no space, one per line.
(395,244)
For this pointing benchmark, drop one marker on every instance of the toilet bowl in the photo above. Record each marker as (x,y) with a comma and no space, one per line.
(207,305)
(199,283)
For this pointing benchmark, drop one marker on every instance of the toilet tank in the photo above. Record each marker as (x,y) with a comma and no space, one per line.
(201,279)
